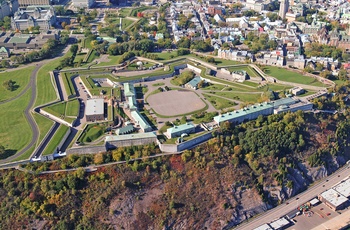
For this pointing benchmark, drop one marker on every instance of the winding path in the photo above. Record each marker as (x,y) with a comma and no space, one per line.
(27,113)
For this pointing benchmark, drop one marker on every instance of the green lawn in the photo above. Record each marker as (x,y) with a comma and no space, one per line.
(44,125)
(15,132)
(290,76)
(45,90)
(219,103)
(276,87)
(68,84)
(21,77)
(244,97)
(58,110)
(251,72)
(159,84)
(25,155)
(165,56)
(72,108)
(55,140)
(126,22)
(124,12)
(113,60)
(214,87)
(222,62)
(92,132)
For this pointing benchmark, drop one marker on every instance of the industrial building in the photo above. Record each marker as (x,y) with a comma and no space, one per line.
(343,188)
(177,131)
(333,199)
(140,121)
(42,16)
(264,227)
(112,142)
(281,223)
(94,110)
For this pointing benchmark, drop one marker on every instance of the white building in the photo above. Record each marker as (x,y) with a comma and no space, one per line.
(42,16)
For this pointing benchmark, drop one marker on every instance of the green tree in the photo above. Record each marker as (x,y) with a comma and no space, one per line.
(9,85)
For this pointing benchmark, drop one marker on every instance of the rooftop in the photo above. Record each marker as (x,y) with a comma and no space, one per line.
(129,90)
(194,82)
(180,128)
(126,129)
(334,197)
(140,120)
(343,188)
(23,38)
(283,101)
(280,223)
(242,112)
(131,136)
(264,227)
(94,106)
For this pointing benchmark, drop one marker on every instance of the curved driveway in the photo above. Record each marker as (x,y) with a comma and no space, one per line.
(27,113)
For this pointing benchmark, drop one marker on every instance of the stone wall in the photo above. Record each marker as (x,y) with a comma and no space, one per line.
(172,148)
(86,150)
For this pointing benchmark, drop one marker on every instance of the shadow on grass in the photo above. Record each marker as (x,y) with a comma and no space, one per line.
(8,153)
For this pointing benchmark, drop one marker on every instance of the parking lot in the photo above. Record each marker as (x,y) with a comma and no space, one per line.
(315,217)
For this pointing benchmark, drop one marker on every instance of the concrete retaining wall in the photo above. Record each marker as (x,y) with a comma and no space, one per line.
(52,117)
(172,148)
(195,69)
(86,150)
(64,139)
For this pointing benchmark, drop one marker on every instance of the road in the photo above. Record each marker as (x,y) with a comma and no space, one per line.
(310,193)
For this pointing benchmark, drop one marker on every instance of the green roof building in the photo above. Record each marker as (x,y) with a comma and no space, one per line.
(129,90)
(125,130)
(141,121)
(247,113)
(4,52)
(177,131)
(193,84)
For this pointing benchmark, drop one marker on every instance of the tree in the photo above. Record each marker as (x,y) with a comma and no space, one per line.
(9,85)
(74,49)
(64,24)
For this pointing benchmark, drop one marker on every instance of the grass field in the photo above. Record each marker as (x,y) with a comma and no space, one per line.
(290,76)
(251,72)
(15,132)
(64,109)
(276,87)
(21,77)
(165,56)
(219,103)
(244,97)
(92,132)
(44,125)
(112,61)
(56,139)
(126,22)
(72,108)
(58,110)
(68,84)
(124,12)
(45,90)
